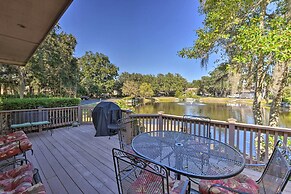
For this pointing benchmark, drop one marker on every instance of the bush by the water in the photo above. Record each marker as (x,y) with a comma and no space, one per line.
(287,99)
(32,103)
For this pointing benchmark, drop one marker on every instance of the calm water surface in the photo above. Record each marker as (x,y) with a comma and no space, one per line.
(242,113)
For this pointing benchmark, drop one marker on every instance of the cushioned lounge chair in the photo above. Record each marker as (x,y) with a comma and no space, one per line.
(21,179)
(14,144)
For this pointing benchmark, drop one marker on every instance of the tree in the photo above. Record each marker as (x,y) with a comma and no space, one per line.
(145,90)
(98,74)
(130,88)
(167,84)
(254,36)
(52,68)
(8,78)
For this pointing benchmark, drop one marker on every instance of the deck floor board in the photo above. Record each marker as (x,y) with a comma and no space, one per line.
(72,160)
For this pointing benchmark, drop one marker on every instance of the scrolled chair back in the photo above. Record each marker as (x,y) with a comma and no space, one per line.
(277,172)
(138,175)
(128,128)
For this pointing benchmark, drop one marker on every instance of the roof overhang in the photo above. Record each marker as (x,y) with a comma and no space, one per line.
(24,24)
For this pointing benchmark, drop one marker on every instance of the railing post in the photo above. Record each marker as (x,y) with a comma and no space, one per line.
(80,114)
(161,127)
(39,116)
(231,125)
(128,126)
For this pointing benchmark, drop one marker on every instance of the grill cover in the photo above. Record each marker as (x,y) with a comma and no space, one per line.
(103,115)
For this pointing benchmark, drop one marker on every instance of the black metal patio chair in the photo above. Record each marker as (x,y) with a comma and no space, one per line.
(127,129)
(137,175)
(113,125)
(199,126)
(273,179)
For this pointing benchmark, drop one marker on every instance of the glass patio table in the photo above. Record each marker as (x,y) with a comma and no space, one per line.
(190,155)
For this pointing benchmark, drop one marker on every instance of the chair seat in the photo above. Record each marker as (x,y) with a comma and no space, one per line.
(240,182)
(16,180)
(149,183)
(40,123)
(14,126)
(14,148)
(11,137)
(113,126)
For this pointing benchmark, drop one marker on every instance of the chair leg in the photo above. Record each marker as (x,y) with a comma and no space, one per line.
(36,176)
(189,187)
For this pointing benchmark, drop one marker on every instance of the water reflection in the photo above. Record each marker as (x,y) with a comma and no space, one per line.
(242,113)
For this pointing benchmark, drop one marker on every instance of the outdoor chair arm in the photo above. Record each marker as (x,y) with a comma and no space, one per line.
(227,188)
(14,162)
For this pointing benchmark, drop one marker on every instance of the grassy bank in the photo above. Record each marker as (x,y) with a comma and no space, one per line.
(203,100)
(213,100)
(225,100)
(165,99)
(230,101)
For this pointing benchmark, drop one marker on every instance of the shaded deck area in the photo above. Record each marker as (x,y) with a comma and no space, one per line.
(73,161)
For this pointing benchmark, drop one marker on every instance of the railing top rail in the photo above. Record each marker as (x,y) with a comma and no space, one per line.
(217,122)
(144,115)
(263,127)
(35,109)
(61,108)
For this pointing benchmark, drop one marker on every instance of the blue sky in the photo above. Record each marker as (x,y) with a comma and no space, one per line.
(138,36)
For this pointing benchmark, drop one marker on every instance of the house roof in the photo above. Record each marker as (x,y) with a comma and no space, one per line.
(24,25)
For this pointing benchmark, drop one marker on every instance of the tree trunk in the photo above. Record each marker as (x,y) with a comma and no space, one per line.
(280,78)
(5,89)
(257,108)
(260,73)
(259,76)
(21,82)
(31,91)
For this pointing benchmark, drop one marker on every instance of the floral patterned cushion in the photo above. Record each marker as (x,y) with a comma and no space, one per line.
(240,182)
(176,186)
(16,171)
(35,189)
(13,148)
(149,183)
(17,184)
(15,136)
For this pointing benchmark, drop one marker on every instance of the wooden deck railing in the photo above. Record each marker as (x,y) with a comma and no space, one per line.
(58,117)
(254,141)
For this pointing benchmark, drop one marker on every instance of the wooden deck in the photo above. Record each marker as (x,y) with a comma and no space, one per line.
(73,161)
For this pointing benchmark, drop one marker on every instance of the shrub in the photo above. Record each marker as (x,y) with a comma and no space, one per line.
(287,99)
(32,103)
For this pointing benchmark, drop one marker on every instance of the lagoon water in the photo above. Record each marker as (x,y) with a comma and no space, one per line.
(216,111)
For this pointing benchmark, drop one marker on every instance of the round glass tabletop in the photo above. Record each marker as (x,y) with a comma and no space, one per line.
(190,155)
